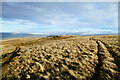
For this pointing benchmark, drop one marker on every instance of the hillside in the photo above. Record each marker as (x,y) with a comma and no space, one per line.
(63,57)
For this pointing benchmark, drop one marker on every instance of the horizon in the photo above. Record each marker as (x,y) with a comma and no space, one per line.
(59,33)
(69,17)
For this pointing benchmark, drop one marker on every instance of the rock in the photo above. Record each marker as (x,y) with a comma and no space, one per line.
(54,36)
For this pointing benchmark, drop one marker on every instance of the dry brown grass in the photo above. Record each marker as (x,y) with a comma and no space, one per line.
(65,57)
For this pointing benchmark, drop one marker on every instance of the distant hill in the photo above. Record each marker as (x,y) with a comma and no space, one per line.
(13,35)
(82,33)
(5,35)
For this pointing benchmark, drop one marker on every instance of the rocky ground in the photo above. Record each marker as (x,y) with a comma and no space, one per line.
(63,57)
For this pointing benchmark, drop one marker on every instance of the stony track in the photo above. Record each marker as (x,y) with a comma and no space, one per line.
(74,58)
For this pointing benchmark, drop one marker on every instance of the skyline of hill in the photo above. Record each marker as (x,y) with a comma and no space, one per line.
(4,35)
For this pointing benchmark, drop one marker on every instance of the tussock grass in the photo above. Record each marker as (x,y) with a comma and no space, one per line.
(65,57)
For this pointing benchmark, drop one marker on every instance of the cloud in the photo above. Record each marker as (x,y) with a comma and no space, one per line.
(17,25)
(50,17)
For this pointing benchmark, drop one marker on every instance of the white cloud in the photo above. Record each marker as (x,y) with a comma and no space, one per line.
(81,16)
(40,33)
(18,25)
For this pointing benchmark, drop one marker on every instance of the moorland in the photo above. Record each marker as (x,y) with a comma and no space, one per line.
(61,57)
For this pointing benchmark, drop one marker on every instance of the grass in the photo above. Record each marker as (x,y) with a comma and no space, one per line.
(65,57)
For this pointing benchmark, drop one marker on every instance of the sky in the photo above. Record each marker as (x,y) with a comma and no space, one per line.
(51,17)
